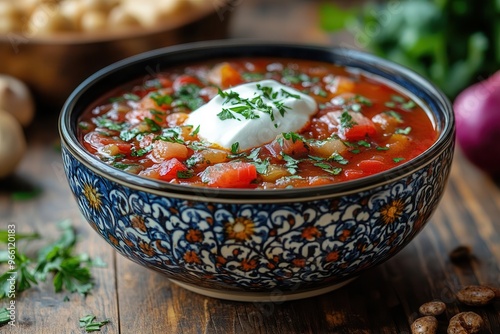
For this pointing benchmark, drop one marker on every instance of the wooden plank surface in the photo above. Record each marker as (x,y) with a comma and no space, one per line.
(383,300)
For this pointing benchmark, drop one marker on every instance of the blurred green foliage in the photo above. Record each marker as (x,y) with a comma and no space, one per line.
(454,43)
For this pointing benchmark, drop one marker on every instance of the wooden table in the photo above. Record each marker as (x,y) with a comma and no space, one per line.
(383,300)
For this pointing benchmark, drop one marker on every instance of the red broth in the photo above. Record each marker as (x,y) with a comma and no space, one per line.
(362,126)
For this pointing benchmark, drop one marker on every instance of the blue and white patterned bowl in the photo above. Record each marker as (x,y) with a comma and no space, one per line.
(251,245)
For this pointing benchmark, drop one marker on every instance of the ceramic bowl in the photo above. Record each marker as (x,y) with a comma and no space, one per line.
(251,245)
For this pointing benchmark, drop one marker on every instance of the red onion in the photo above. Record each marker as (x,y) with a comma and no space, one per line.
(477,111)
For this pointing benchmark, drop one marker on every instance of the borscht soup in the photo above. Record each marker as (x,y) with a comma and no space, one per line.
(257,123)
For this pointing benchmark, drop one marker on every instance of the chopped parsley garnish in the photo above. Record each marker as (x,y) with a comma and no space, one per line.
(161,100)
(292,165)
(185,174)
(153,126)
(394,115)
(398,99)
(363,100)
(195,132)
(235,148)
(396,160)
(380,148)
(172,135)
(328,168)
(346,120)
(260,165)
(404,131)
(364,143)
(248,108)
(188,96)
(122,166)
(142,151)
(225,114)
(107,123)
(408,105)
(338,158)
(125,97)
(293,136)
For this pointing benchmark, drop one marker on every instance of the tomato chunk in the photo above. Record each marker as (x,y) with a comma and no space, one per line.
(230,175)
(184,80)
(372,166)
(294,147)
(166,170)
(349,125)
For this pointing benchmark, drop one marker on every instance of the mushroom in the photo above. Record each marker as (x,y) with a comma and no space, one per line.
(12,143)
(16,99)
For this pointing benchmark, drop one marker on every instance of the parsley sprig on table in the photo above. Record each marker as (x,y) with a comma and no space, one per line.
(69,271)
(89,323)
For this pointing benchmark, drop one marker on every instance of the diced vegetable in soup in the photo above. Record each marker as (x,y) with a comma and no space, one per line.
(257,123)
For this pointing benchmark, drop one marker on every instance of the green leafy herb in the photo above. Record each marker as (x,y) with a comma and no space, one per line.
(153,126)
(346,120)
(328,168)
(172,135)
(142,151)
(404,131)
(293,136)
(363,100)
(292,165)
(125,97)
(261,165)
(408,105)
(107,123)
(196,131)
(364,143)
(394,115)
(188,96)
(24,275)
(89,323)
(70,272)
(161,100)
(4,316)
(338,158)
(398,99)
(235,148)
(396,160)
(226,114)
(380,148)
(185,174)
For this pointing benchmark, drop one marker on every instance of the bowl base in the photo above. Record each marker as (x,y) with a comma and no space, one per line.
(273,296)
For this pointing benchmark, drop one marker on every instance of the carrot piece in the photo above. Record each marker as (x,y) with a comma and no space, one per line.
(224,75)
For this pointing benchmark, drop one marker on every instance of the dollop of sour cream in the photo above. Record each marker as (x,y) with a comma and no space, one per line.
(252,114)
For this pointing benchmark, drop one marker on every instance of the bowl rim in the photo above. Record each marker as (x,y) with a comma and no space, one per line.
(426,91)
